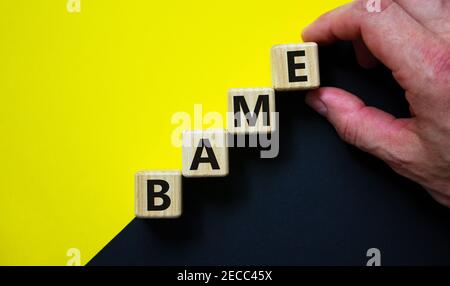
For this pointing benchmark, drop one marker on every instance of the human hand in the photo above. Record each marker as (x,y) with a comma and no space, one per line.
(411,38)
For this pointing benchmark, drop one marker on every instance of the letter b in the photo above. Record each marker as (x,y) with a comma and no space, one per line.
(158,194)
(152,195)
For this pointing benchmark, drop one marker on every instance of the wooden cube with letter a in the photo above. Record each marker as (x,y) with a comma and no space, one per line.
(158,194)
(295,66)
(251,110)
(205,153)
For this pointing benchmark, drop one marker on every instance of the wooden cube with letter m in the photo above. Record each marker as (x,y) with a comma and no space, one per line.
(251,110)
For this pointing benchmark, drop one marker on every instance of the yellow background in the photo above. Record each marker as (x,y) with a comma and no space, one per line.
(86,100)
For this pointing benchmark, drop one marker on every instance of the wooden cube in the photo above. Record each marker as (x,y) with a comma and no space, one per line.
(205,153)
(158,194)
(295,66)
(251,110)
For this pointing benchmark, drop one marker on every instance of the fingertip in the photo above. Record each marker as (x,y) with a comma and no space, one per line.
(326,92)
(306,34)
(313,100)
(313,92)
(335,99)
(314,33)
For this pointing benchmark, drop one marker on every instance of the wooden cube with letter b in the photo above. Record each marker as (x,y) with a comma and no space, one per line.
(158,194)
(205,153)
(251,110)
(295,66)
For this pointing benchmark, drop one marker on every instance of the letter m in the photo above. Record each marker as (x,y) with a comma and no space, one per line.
(239,103)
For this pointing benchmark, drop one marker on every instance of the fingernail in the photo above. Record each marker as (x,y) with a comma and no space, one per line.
(315,103)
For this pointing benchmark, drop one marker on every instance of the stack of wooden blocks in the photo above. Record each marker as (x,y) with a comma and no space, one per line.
(205,153)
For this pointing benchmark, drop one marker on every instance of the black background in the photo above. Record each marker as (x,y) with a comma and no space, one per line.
(320,202)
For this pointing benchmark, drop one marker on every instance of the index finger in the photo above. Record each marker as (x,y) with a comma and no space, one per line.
(392,35)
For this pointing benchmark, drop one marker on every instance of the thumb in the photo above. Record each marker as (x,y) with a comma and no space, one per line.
(368,128)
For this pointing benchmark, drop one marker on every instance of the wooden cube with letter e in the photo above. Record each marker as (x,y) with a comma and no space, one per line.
(295,66)
(158,194)
(205,153)
(251,110)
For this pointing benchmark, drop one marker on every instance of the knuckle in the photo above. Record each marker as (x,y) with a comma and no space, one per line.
(360,5)
(348,131)
(378,6)
(438,60)
(409,157)
(353,128)
(402,164)
(445,5)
